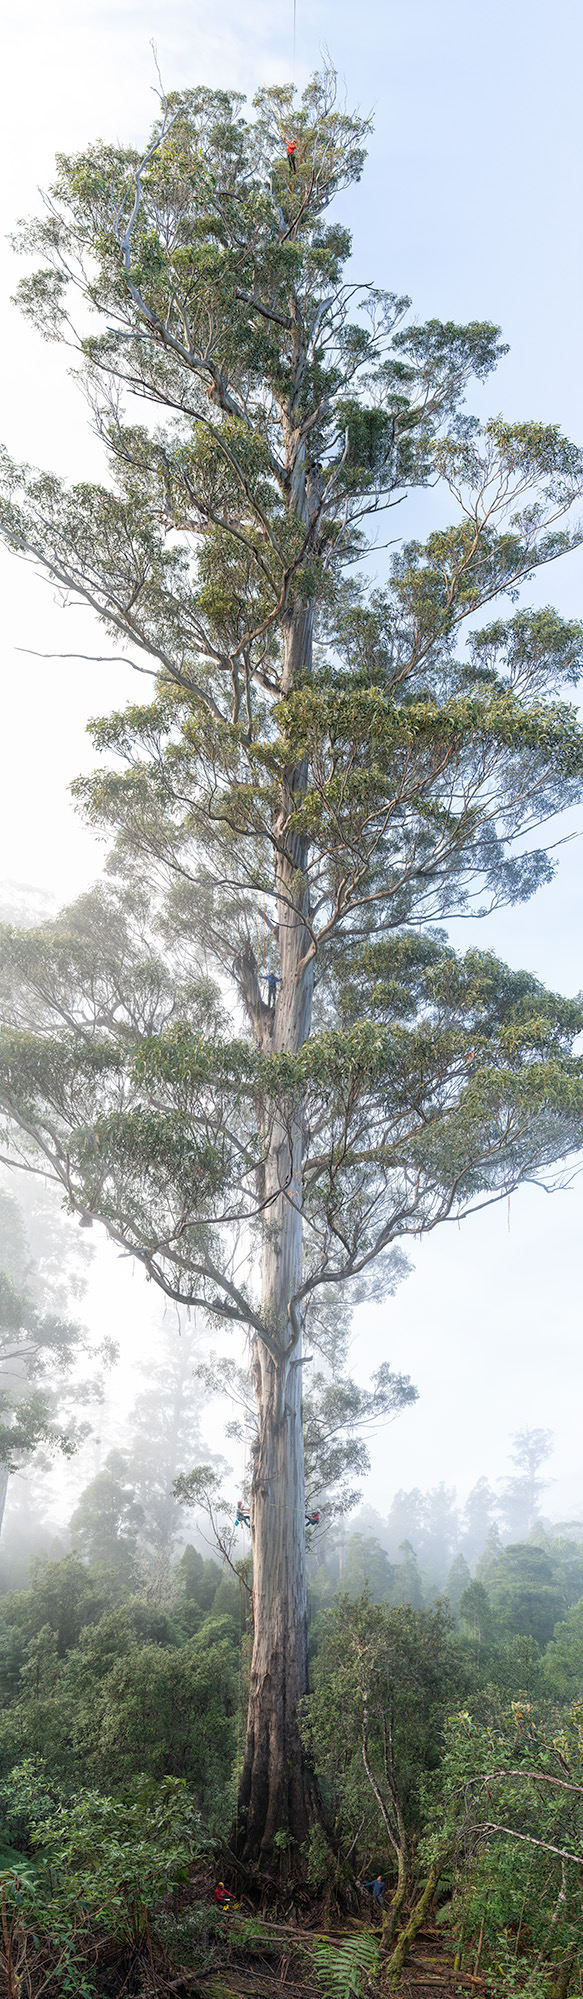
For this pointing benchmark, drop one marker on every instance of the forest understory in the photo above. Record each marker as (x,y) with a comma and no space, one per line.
(244,1954)
(121,1723)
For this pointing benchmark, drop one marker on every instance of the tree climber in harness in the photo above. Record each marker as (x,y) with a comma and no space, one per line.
(313,1519)
(272,982)
(291,156)
(242,1519)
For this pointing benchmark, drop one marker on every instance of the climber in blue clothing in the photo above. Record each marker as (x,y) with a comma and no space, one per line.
(378,1891)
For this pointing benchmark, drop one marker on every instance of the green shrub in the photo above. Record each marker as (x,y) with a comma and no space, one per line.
(104,1865)
(119,1856)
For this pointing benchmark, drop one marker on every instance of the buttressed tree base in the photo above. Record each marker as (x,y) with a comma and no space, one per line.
(256,1059)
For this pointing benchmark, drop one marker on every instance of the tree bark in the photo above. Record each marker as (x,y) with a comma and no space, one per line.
(4,1477)
(278,1798)
(278,1795)
(408,1935)
(564,1975)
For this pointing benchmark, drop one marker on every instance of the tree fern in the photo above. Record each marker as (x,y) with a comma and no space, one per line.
(343,1970)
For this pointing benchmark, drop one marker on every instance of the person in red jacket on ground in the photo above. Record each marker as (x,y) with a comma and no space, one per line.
(222,1896)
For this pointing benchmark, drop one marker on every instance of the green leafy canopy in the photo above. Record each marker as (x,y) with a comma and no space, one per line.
(323,764)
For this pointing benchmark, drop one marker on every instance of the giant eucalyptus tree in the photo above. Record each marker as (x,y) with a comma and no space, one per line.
(262,1066)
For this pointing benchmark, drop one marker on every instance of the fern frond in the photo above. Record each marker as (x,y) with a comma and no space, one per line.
(343,1970)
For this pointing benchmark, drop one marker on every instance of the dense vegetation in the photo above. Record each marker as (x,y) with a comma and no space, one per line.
(447,1735)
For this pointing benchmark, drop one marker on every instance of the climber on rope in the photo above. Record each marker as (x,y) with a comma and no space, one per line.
(313,1519)
(291,156)
(272,982)
(242,1519)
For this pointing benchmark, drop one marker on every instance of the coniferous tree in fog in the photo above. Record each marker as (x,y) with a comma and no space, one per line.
(450,1540)
(527,1591)
(165,1434)
(458,1579)
(477,1519)
(429,1523)
(521,1494)
(31,1346)
(296,1071)
(108,1518)
(476,1618)
(367,1566)
(407,1586)
(42,1400)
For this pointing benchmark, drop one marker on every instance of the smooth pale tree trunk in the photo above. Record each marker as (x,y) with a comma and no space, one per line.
(278,1794)
(4,1477)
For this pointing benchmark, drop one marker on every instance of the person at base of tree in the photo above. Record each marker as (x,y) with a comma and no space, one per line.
(313,1519)
(243,1518)
(222,1896)
(378,1891)
(291,155)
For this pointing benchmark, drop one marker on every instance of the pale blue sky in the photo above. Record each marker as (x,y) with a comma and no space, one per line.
(471,202)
